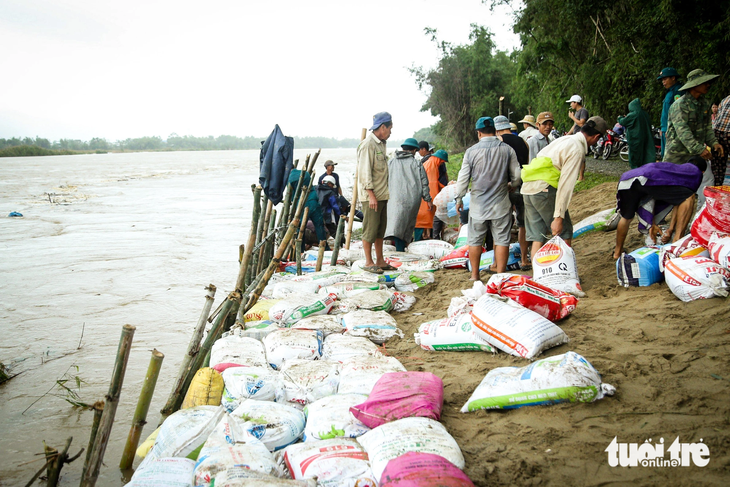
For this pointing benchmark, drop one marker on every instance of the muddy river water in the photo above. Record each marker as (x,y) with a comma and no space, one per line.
(107,240)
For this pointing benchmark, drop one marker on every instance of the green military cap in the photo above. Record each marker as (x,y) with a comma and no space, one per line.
(667,73)
(697,77)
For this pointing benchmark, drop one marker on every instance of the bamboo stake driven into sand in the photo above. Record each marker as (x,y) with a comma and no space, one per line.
(338,240)
(353,204)
(243,272)
(320,255)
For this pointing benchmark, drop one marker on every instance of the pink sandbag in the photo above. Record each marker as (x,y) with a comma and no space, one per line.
(423,470)
(399,395)
(716,215)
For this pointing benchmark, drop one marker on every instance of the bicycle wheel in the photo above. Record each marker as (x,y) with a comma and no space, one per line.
(606,151)
(624,153)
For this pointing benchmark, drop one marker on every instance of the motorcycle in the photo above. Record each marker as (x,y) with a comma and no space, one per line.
(656,134)
(605,146)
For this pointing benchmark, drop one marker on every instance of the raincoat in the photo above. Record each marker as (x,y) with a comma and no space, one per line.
(638,135)
(275,163)
(431,166)
(408,185)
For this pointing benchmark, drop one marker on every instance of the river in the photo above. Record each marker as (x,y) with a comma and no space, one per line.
(107,240)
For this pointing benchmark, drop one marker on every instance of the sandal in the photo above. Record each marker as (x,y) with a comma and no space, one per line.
(388,267)
(373,268)
(526,267)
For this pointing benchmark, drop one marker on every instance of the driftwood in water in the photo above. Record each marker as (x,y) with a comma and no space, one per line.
(54,463)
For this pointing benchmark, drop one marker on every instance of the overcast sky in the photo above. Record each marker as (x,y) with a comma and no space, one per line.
(87,68)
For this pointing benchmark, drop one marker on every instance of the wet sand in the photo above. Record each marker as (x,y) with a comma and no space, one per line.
(658,352)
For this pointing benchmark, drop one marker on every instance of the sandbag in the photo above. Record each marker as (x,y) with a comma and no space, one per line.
(554,266)
(358,275)
(402,301)
(562,378)
(284,289)
(547,302)
(719,249)
(339,462)
(639,268)
(260,310)
(229,446)
(237,350)
(691,278)
(425,264)
(329,417)
(205,389)
(349,289)
(241,476)
(288,344)
(243,383)
(313,254)
(275,425)
(377,326)
(513,328)
(399,395)
(298,306)
(256,329)
(602,221)
(420,435)
(433,249)
(359,374)
(327,324)
(463,238)
(451,205)
(457,258)
(144,448)
(423,470)
(304,381)
(684,247)
(715,217)
(170,472)
(372,300)
(487,259)
(454,334)
(412,281)
(340,348)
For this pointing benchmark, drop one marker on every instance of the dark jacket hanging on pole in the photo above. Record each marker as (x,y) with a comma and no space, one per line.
(276,163)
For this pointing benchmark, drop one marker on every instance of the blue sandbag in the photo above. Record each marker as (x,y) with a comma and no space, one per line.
(639,268)
(487,259)
(451,205)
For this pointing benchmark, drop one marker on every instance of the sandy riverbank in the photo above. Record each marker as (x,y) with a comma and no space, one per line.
(657,351)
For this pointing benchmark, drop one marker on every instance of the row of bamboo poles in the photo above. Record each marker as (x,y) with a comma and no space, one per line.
(270,242)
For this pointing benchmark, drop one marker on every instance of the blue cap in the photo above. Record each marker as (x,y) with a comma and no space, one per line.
(484,122)
(380,118)
(442,154)
(667,72)
(501,123)
(410,143)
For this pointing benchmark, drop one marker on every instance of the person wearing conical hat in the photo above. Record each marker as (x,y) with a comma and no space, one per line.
(689,131)
(528,123)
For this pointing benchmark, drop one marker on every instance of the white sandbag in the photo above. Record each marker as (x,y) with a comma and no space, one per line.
(459,306)
(372,300)
(445,196)
(412,281)
(304,381)
(691,278)
(339,462)
(241,476)
(602,221)
(242,383)
(719,249)
(349,289)
(377,326)
(451,334)
(275,425)
(340,348)
(327,324)
(358,275)
(463,237)
(240,350)
(514,329)
(562,378)
(330,417)
(298,306)
(326,277)
(359,374)
(183,432)
(424,265)
(402,302)
(255,329)
(433,249)
(227,447)
(684,247)
(554,266)
(417,434)
(313,254)
(289,344)
(282,290)
(170,472)
(356,252)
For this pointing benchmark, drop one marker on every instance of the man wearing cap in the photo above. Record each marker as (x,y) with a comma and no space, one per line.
(577,113)
(689,130)
(529,125)
(548,182)
(668,77)
(408,179)
(545,124)
(372,185)
(329,166)
(492,167)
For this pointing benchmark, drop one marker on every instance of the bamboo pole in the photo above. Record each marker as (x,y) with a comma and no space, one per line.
(110,408)
(98,410)
(176,395)
(300,186)
(143,406)
(262,254)
(298,255)
(320,255)
(310,169)
(271,242)
(215,332)
(338,240)
(353,203)
(243,270)
(259,233)
(284,215)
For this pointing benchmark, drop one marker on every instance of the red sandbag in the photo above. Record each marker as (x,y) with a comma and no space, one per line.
(547,302)
(414,469)
(399,395)
(716,215)
(457,258)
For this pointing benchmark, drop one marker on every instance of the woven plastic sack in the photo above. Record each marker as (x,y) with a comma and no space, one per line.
(423,470)
(715,217)
(554,266)
(260,310)
(241,476)
(304,381)
(349,289)
(452,335)
(691,278)
(275,425)
(330,417)
(639,268)
(600,222)
(456,259)
(298,306)
(377,326)
(372,300)
(339,462)
(412,281)
(340,348)
(547,302)
(289,344)
(359,375)
(327,324)
(487,259)
(719,249)
(170,472)
(684,247)
(237,350)
(243,383)
(433,249)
